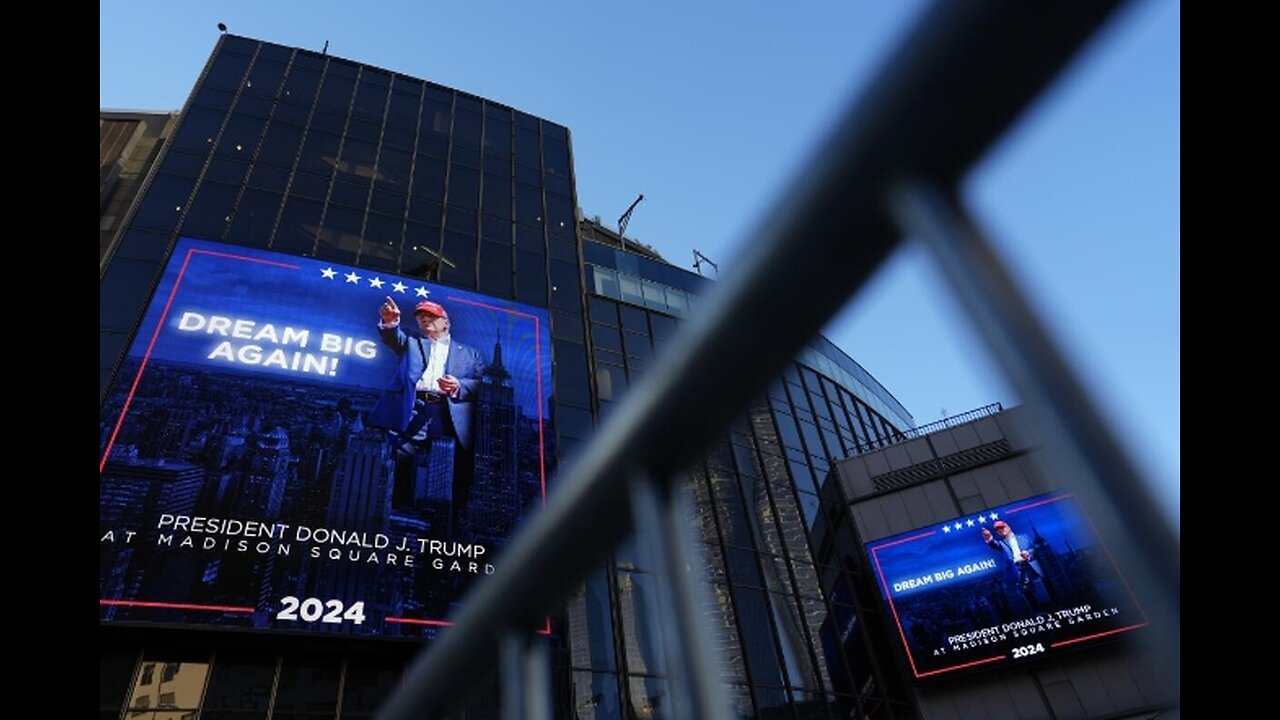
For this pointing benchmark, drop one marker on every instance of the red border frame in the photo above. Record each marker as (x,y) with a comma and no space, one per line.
(901,634)
(146,357)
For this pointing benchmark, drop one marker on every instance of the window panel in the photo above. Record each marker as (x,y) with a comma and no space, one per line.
(420,257)
(605,281)
(240,684)
(214,99)
(358,157)
(388,203)
(230,172)
(530,239)
(566,288)
(464,187)
(497,196)
(307,685)
(265,78)
(755,626)
(255,106)
(595,696)
(228,71)
(611,382)
(164,202)
(527,150)
(180,684)
(300,86)
(560,216)
(371,98)
(495,269)
(210,211)
(571,365)
(280,148)
(319,153)
(364,689)
(428,178)
(308,185)
(199,128)
(466,128)
(460,221)
(528,205)
(495,229)
(335,92)
(328,122)
(437,117)
(651,698)
(185,164)
(461,251)
(299,224)
(590,624)
(255,218)
(404,108)
(497,134)
(564,325)
(340,234)
(349,194)
(531,278)
(380,243)
(637,605)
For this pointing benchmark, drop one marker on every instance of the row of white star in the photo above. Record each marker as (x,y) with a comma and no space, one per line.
(968,522)
(374,282)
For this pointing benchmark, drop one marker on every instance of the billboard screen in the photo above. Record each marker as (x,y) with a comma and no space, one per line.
(296,444)
(1011,582)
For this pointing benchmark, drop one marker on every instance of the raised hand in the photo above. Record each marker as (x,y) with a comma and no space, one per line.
(389,312)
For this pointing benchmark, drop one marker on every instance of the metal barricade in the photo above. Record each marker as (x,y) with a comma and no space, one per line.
(889,171)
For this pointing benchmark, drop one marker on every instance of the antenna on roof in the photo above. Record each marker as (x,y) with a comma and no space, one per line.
(325,50)
(222,27)
(626,218)
(699,259)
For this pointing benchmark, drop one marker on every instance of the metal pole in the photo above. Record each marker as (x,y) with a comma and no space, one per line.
(526,677)
(964,73)
(662,522)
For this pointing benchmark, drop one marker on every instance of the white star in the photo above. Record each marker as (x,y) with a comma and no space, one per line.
(958,525)
(993,516)
(328,273)
(982,519)
(352,277)
(377,283)
(421,291)
(946,528)
(969,522)
(398,287)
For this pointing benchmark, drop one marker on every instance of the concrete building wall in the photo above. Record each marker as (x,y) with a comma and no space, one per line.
(128,144)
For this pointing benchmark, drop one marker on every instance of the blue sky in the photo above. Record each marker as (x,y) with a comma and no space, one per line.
(710,109)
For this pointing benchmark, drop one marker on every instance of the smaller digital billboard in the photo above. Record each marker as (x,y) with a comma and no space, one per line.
(1012,582)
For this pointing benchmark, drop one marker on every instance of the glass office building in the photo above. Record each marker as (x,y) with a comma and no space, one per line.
(290,151)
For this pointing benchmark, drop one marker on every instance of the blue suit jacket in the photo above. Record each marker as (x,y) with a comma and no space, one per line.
(395,408)
(1004,547)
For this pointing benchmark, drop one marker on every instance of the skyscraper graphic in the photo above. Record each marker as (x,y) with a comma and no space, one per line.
(495,497)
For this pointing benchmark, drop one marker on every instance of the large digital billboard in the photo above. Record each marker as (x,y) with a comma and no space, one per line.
(296,444)
(1011,582)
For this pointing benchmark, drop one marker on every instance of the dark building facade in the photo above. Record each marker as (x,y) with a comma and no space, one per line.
(946,475)
(293,151)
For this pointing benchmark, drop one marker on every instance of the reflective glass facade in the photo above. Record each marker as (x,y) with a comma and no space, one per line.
(291,150)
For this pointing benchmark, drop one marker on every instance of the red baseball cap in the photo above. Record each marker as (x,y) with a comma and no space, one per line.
(999,524)
(426,306)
